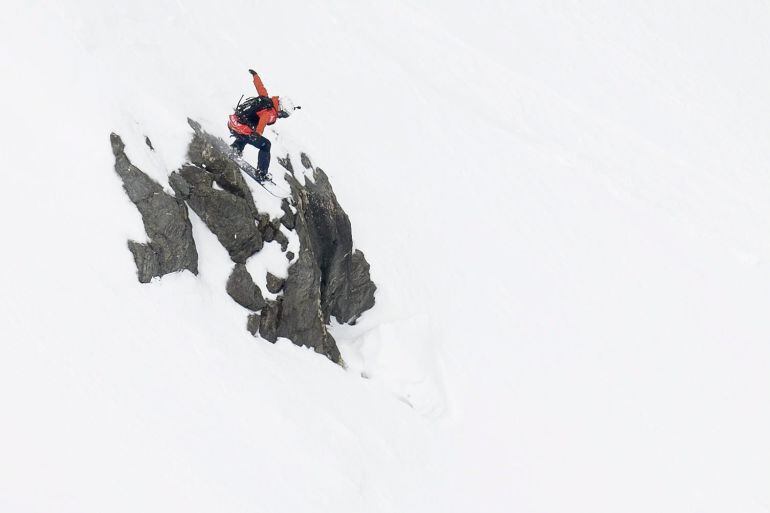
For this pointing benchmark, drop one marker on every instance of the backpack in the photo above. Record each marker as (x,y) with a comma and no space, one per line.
(248,108)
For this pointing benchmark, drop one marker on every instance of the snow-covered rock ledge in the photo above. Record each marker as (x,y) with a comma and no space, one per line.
(319,274)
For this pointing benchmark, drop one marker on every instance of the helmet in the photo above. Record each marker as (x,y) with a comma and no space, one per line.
(285,105)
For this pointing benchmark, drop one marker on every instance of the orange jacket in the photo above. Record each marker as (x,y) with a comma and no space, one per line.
(266,116)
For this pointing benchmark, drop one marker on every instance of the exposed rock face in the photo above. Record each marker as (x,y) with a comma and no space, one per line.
(274,283)
(171,246)
(326,278)
(305,160)
(268,322)
(299,316)
(289,217)
(243,290)
(252,324)
(346,291)
(229,216)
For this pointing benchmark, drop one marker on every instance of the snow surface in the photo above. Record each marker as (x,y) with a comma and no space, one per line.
(566,206)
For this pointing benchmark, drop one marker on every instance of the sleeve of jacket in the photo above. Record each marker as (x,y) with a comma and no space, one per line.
(261,91)
(262,124)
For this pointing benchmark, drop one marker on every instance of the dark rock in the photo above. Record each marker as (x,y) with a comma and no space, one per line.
(288,219)
(212,154)
(268,234)
(252,324)
(171,246)
(281,239)
(300,318)
(243,290)
(146,260)
(234,183)
(347,290)
(180,186)
(327,278)
(274,283)
(148,142)
(229,216)
(263,221)
(286,163)
(269,319)
(305,160)
(297,314)
(360,290)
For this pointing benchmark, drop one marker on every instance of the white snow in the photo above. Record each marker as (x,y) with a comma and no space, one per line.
(566,207)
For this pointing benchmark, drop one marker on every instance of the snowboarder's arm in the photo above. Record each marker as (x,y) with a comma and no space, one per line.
(261,91)
(262,124)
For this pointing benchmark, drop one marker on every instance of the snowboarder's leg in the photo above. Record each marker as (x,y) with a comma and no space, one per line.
(238,144)
(263,161)
(263,145)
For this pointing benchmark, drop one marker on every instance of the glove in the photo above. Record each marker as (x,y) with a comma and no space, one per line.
(252,72)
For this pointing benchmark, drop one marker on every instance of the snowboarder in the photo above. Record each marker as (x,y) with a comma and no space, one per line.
(250,118)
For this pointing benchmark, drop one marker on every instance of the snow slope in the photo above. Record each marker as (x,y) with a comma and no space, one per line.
(567,211)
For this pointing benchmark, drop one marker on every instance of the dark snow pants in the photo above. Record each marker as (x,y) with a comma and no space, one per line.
(259,142)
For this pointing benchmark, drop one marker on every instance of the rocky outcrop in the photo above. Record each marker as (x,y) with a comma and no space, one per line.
(243,290)
(298,315)
(274,283)
(214,155)
(347,291)
(171,246)
(228,210)
(229,216)
(326,277)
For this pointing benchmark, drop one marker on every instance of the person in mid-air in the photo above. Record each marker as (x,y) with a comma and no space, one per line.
(250,118)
